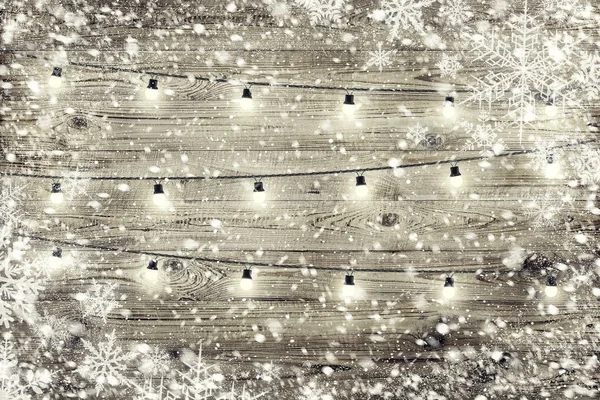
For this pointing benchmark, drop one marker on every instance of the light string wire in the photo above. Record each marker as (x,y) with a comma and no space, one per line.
(236,262)
(245,83)
(312,173)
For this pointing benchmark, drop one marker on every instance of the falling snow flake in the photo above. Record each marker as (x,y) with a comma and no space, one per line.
(484,136)
(74,185)
(99,300)
(455,12)
(449,65)
(380,58)
(105,363)
(320,11)
(417,133)
(543,212)
(402,16)
(53,331)
(586,164)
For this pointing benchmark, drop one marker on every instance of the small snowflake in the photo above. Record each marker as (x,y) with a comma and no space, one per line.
(456,12)
(313,392)
(403,15)
(322,10)
(74,185)
(449,65)
(16,383)
(53,331)
(155,362)
(543,212)
(586,163)
(105,363)
(417,133)
(99,300)
(484,136)
(380,58)
(545,150)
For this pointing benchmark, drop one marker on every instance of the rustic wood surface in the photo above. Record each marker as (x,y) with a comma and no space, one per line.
(401,241)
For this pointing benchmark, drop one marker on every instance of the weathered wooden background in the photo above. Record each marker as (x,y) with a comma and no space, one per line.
(100,124)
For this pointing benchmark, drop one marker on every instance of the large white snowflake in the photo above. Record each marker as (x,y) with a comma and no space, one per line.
(455,12)
(201,380)
(16,383)
(99,300)
(234,394)
(544,212)
(484,136)
(11,195)
(380,58)
(402,16)
(105,363)
(587,75)
(322,10)
(586,164)
(526,65)
(20,284)
(449,65)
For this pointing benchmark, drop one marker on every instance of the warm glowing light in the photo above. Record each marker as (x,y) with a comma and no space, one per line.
(246,281)
(449,110)
(449,290)
(456,179)
(56,195)
(56,259)
(152,273)
(152,90)
(349,289)
(361,187)
(246,100)
(159,198)
(551,109)
(55,80)
(552,170)
(349,107)
(259,193)
(551,287)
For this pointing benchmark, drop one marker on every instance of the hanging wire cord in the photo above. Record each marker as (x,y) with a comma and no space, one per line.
(234,262)
(292,174)
(22,53)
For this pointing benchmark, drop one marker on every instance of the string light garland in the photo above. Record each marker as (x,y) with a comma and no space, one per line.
(551,289)
(246,281)
(293,174)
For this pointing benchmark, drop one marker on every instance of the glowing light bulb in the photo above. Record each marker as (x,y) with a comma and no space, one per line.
(246,281)
(551,288)
(361,187)
(152,272)
(56,195)
(246,100)
(456,179)
(55,80)
(551,109)
(56,259)
(152,90)
(159,198)
(349,288)
(349,107)
(552,168)
(449,110)
(259,193)
(449,290)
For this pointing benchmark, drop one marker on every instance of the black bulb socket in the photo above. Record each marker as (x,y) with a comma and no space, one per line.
(258,187)
(550,158)
(57,252)
(246,93)
(349,280)
(247,274)
(57,71)
(153,265)
(361,180)
(349,100)
(454,171)
(56,188)
(449,282)
(158,189)
(551,281)
(153,84)
(449,100)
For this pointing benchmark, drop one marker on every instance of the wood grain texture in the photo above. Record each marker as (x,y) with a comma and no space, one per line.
(411,232)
